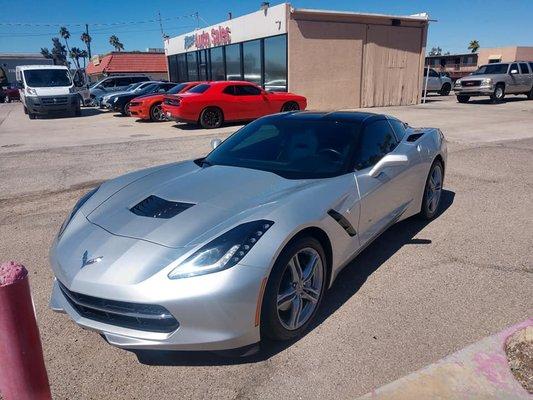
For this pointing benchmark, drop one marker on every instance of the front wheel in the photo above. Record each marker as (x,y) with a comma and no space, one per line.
(157,114)
(125,110)
(462,98)
(294,290)
(498,94)
(211,117)
(31,115)
(432,191)
(290,106)
(530,94)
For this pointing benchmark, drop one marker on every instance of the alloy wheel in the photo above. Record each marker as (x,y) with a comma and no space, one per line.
(434,189)
(211,118)
(157,113)
(291,107)
(300,288)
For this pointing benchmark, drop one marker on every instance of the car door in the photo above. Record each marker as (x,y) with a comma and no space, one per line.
(433,83)
(253,103)
(525,77)
(383,198)
(513,81)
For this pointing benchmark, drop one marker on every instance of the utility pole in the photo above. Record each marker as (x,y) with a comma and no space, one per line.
(197,16)
(160,24)
(88,43)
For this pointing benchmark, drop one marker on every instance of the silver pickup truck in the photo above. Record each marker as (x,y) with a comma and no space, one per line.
(496,80)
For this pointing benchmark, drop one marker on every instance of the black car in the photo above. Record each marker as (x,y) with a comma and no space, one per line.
(121,102)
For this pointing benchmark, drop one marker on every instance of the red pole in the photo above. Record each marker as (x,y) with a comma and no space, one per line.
(22,370)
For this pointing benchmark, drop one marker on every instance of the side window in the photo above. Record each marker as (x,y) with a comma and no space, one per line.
(376,141)
(139,79)
(432,73)
(531,66)
(109,83)
(123,81)
(399,128)
(524,68)
(247,90)
(513,67)
(229,90)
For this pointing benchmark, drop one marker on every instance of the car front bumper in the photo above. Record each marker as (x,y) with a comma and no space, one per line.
(139,112)
(216,311)
(484,90)
(43,105)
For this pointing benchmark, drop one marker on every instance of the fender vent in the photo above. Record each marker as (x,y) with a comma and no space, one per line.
(414,137)
(156,207)
(342,222)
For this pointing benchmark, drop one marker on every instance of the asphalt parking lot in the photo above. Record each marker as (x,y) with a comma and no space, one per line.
(418,293)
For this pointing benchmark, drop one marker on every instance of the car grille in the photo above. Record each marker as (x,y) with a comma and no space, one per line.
(142,317)
(134,103)
(54,101)
(470,83)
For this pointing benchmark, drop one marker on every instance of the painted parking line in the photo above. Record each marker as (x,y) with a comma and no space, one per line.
(479,371)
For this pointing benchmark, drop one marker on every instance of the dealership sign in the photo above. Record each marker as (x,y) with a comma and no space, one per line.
(217,37)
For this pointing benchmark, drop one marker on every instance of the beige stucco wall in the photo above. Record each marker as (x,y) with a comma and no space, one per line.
(349,62)
(514,53)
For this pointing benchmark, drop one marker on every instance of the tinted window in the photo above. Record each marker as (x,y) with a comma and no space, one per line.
(492,69)
(123,81)
(173,68)
(376,141)
(399,128)
(513,67)
(47,77)
(276,63)
(523,67)
(247,90)
(192,67)
(177,88)
(182,67)
(202,64)
(217,64)
(233,62)
(292,148)
(229,90)
(252,61)
(200,88)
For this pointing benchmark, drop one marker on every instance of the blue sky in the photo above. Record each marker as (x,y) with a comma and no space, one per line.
(492,22)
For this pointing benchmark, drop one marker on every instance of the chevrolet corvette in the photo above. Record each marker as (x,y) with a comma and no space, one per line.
(220,252)
(212,103)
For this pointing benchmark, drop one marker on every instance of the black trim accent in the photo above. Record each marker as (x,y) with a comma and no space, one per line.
(343,222)
(156,207)
(414,137)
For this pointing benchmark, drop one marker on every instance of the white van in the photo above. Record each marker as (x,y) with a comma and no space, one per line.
(49,88)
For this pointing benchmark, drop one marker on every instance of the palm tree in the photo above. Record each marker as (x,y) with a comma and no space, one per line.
(115,42)
(86,38)
(75,54)
(84,55)
(473,46)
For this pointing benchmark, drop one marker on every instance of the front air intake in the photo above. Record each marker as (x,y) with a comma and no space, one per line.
(156,207)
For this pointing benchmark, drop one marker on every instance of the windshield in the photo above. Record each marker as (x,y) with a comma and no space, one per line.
(47,77)
(148,89)
(176,89)
(291,148)
(491,69)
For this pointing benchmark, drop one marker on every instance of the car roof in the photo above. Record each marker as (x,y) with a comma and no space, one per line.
(44,66)
(344,116)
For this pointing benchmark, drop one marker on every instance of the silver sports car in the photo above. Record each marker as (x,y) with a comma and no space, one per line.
(219,252)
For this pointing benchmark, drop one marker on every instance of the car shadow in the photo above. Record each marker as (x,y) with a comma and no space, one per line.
(191,126)
(489,101)
(348,282)
(85,112)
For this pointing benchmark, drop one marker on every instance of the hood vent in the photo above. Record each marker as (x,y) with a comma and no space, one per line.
(156,207)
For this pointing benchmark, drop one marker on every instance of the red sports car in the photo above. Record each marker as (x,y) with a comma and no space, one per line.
(212,103)
(149,107)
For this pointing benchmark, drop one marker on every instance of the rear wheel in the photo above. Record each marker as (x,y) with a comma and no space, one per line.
(432,191)
(498,94)
(156,113)
(530,94)
(211,117)
(290,106)
(294,290)
(445,90)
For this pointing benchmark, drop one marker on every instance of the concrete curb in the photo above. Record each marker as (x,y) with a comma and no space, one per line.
(479,371)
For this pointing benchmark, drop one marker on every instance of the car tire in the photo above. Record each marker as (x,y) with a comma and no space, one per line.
(156,113)
(31,115)
(77,111)
(432,191)
(290,106)
(462,98)
(499,93)
(125,110)
(211,117)
(3,99)
(25,110)
(445,89)
(279,320)
(530,94)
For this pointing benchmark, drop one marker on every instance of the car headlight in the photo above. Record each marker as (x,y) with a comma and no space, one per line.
(115,99)
(458,82)
(31,92)
(486,81)
(223,252)
(78,205)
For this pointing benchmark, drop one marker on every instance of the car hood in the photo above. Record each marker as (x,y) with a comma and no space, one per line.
(217,197)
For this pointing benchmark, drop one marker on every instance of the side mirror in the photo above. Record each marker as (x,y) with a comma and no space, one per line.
(514,71)
(215,143)
(390,160)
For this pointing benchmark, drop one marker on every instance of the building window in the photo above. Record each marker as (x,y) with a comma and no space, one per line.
(233,62)
(173,68)
(252,61)
(192,66)
(202,65)
(217,64)
(276,63)
(182,68)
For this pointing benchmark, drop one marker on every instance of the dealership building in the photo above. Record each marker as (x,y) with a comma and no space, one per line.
(336,59)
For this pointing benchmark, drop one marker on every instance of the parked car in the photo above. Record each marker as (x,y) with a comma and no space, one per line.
(223,251)
(211,104)
(496,80)
(121,102)
(114,84)
(10,93)
(437,83)
(148,107)
(105,100)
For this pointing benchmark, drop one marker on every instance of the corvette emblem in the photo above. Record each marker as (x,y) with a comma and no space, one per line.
(88,261)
